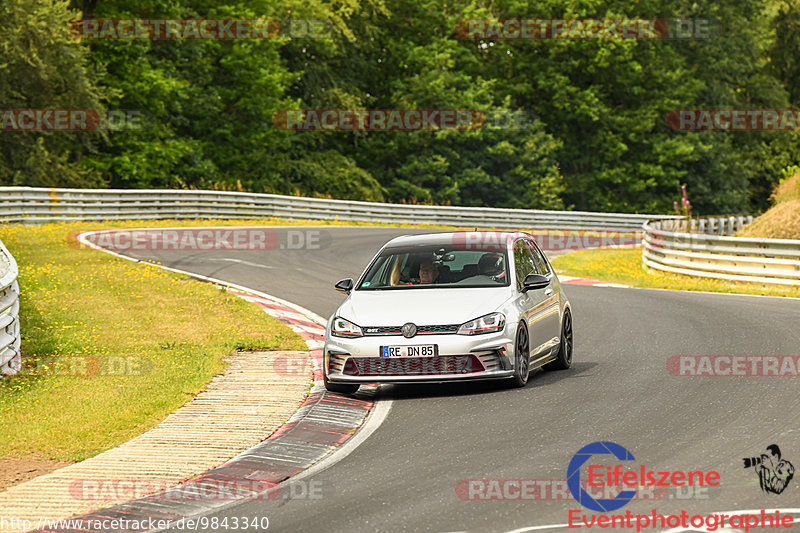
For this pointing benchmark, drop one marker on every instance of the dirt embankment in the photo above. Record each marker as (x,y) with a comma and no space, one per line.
(782,220)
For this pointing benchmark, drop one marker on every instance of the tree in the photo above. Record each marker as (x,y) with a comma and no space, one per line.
(42,67)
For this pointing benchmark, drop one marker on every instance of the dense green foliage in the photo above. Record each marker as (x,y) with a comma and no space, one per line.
(589,129)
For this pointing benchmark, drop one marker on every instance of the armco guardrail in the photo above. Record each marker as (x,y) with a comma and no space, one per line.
(34,205)
(671,245)
(10,360)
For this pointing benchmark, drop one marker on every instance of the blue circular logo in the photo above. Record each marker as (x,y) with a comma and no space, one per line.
(574,476)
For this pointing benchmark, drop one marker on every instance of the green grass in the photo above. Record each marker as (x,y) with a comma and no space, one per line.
(169,334)
(625,266)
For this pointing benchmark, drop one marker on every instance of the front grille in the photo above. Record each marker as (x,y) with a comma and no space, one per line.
(437,330)
(413,366)
(383,330)
(421,330)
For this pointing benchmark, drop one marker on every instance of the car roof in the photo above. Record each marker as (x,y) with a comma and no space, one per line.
(455,237)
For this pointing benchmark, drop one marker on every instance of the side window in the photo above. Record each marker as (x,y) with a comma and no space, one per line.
(523,262)
(538,257)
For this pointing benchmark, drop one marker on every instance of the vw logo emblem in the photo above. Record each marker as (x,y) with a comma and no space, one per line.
(409,330)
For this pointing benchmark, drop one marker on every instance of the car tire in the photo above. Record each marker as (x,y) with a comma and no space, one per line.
(341,388)
(522,346)
(564,357)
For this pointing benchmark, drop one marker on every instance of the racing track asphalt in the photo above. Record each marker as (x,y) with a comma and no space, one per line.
(404,476)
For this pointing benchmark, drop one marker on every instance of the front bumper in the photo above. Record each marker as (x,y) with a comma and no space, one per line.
(460,358)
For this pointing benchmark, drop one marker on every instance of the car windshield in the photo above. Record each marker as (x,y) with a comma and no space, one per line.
(435,266)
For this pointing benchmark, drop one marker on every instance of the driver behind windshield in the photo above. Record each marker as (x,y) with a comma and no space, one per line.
(428,272)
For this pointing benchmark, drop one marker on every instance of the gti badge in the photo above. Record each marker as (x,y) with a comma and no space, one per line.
(409,330)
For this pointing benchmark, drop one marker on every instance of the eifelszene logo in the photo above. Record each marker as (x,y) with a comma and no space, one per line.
(574,476)
(631,479)
(774,473)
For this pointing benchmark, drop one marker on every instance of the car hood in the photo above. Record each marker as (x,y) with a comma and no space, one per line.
(423,307)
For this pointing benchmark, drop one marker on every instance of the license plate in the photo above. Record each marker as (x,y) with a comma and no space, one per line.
(425,350)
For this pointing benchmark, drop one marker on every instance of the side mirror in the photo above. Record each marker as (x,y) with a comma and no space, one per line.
(534,281)
(345,286)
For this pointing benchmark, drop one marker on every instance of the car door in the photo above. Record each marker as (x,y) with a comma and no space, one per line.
(549,314)
(532,302)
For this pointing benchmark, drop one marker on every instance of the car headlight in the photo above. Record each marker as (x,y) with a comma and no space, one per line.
(345,328)
(486,324)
